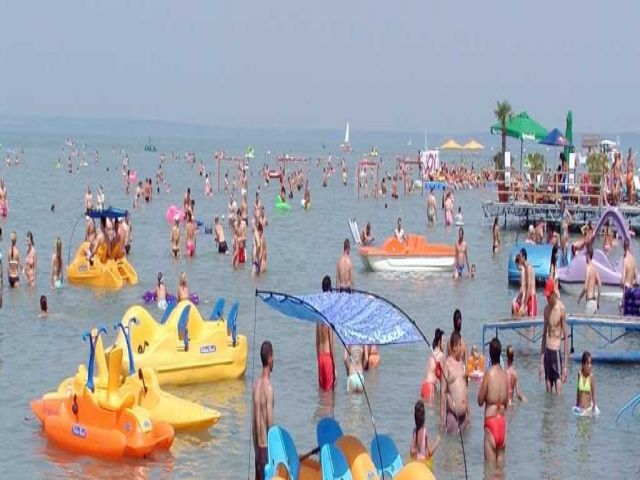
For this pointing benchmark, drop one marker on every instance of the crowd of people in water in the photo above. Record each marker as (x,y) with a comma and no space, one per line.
(451,365)
(445,386)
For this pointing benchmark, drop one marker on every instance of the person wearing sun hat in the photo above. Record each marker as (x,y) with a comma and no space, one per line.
(555,330)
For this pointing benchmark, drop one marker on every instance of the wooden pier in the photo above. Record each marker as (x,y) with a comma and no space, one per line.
(524,213)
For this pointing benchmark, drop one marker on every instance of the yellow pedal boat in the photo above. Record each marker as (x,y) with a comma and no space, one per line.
(113,274)
(143,387)
(185,349)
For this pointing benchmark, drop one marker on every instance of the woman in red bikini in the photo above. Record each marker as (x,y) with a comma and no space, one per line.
(493,395)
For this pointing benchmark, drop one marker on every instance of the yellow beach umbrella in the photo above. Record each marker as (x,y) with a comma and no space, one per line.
(473,145)
(451,145)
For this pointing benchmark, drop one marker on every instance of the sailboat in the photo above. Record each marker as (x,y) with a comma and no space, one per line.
(346,146)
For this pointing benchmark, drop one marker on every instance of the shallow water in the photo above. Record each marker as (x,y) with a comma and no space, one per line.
(544,438)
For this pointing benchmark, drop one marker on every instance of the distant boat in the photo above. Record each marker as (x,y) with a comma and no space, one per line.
(149,147)
(346,146)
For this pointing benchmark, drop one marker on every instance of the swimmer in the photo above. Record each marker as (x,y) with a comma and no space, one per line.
(100,198)
(262,418)
(448,209)
(399,232)
(472,271)
(459,220)
(554,333)
(432,215)
(475,364)
(530,299)
(457,327)
(344,269)
(354,361)
(219,236)
(493,395)
(586,390)
(88,199)
(126,233)
(496,235)
(327,370)
(183,289)
(44,308)
(175,238)
(421,450)
(462,259)
(455,414)
(591,282)
(257,249)
(190,234)
(241,229)
(30,262)
(366,239)
(434,368)
(161,292)
(13,270)
(513,385)
(56,265)
(628,278)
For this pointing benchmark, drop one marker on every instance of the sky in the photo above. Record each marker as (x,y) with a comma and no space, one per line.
(383,65)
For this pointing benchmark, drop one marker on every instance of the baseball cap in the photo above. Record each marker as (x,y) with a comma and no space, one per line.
(549,287)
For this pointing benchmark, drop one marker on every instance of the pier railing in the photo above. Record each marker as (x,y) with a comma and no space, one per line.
(548,188)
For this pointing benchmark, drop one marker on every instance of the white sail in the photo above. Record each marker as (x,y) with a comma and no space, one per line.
(346,135)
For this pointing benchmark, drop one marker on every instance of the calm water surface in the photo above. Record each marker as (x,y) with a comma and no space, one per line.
(544,438)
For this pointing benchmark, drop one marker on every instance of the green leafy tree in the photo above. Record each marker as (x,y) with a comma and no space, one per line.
(502,112)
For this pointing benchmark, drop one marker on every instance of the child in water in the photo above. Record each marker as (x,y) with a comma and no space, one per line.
(161,292)
(475,364)
(421,450)
(586,391)
(44,309)
(513,387)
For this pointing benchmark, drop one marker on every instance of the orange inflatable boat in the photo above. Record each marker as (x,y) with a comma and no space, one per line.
(413,255)
(105,426)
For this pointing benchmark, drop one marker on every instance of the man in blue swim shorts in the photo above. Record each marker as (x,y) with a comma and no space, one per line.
(462,259)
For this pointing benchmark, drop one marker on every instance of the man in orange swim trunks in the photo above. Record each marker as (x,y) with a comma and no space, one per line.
(327,372)
(493,395)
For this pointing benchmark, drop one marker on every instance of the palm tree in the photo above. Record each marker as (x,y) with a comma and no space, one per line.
(502,112)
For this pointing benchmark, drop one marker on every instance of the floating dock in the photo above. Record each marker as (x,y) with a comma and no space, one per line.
(524,213)
(608,330)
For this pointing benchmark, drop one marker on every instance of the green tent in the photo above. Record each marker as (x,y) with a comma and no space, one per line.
(523,127)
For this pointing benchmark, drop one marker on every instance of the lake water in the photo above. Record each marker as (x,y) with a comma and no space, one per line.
(544,438)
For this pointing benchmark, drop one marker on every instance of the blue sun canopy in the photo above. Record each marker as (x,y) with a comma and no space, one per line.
(358,318)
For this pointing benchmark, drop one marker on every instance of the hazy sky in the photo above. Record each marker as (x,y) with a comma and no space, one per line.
(390,65)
